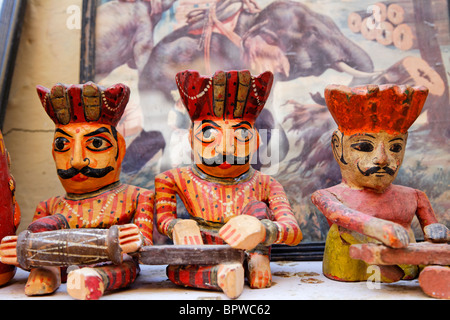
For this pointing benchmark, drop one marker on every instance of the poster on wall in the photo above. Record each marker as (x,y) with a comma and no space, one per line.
(11,19)
(307,44)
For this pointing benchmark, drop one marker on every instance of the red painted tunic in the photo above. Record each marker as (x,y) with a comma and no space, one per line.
(351,212)
(214,203)
(399,204)
(120,205)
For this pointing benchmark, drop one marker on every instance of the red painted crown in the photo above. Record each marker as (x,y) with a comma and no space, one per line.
(372,108)
(225,95)
(87,102)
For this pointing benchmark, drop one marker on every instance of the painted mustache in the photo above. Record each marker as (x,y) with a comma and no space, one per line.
(221,158)
(87,171)
(373,170)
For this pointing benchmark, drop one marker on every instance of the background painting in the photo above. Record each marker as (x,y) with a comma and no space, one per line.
(308,45)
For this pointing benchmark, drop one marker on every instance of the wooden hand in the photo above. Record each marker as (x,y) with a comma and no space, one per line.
(391,234)
(243,232)
(436,232)
(130,238)
(186,232)
(8,252)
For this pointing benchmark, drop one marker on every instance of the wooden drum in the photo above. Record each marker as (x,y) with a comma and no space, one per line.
(68,247)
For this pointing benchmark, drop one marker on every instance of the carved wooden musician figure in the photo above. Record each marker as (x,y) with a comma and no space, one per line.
(227,200)
(369,146)
(88,152)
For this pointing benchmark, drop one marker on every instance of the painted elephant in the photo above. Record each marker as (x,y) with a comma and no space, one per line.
(310,43)
(286,38)
(118,22)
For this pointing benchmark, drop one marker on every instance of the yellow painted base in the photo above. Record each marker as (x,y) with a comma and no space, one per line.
(337,264)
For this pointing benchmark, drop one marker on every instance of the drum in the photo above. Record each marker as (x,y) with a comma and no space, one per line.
(68,247)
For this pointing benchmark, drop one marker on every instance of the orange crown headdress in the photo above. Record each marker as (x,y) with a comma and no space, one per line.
(373,108)
(225,95)
(87,102)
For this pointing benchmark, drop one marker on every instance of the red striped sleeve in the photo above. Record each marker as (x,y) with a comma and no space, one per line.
(165,200)
(143,217)
(288,229)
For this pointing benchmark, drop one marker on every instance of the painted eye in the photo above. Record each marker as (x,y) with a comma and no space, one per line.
(61,144)
(207,135)
(363,146)
(243,134)
(98,144)
(397,147)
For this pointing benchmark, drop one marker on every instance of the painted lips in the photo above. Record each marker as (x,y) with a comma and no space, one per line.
(80,178)
(225,165)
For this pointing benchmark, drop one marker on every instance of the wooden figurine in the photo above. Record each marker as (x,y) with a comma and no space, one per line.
(228,202)
(9,209)
(88,152)
(369,146)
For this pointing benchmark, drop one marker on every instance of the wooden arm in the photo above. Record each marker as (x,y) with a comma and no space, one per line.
(388,232)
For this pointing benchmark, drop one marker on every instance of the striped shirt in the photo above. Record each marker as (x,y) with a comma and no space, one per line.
(120,205)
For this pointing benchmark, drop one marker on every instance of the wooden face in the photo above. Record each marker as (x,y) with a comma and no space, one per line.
(223,148)
(369,160)
(87,156)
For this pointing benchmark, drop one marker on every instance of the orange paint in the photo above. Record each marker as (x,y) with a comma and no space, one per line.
(221,186)
(369,147)
(371,108)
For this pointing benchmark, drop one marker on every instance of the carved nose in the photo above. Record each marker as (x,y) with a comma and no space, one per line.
(79,163)
(227,144)
(381,158)
(78,160)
